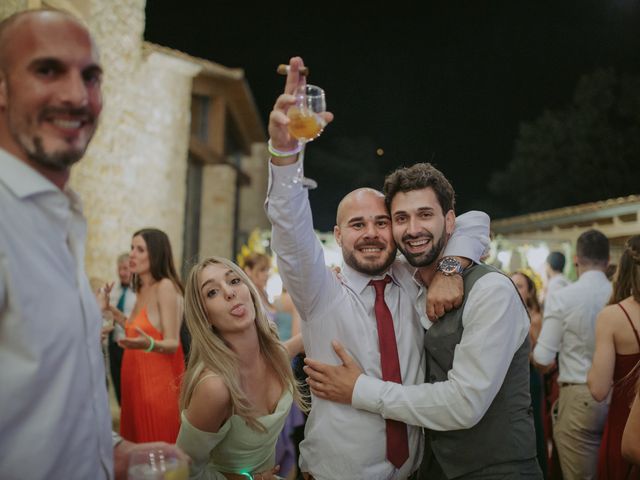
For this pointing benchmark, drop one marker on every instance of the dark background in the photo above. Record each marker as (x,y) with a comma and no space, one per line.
(451,85)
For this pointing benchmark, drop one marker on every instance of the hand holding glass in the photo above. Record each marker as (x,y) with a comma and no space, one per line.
(157,463)
(305,122)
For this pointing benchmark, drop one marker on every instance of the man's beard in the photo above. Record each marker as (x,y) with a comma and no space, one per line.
(425,258)
(368,268)
(55,160)
(33,144)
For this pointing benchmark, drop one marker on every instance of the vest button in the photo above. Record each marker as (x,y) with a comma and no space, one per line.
(432,378)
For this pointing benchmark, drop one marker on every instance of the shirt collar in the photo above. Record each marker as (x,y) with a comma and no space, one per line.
(593,274)
(359,281)
(23,181)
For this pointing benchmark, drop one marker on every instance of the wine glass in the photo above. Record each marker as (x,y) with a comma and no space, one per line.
(157,463)
(305,123)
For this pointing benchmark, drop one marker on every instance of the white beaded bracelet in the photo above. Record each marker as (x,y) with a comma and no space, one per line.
(282,153)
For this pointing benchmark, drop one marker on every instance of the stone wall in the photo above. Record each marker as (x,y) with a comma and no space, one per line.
(252,214)
(217,213)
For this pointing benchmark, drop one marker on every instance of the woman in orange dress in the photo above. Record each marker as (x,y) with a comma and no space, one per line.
(153,362)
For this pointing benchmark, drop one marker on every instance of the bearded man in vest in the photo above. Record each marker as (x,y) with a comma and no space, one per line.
(475,405)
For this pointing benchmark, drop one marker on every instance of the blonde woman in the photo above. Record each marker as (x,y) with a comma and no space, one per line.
(238,387)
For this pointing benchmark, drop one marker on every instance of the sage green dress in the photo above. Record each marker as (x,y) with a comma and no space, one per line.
(235,448)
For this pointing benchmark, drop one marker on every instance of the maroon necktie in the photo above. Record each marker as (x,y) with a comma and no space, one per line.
(397,440)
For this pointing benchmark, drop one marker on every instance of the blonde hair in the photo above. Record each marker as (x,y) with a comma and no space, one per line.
(210,351)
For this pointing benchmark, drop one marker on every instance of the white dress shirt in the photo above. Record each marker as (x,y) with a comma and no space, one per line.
(568,326)
(556,283)
(342,442)
(495,325)
(54,417)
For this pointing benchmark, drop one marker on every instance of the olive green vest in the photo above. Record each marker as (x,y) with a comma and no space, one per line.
(506,432)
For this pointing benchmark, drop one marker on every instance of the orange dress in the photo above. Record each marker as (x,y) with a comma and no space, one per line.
(150,385)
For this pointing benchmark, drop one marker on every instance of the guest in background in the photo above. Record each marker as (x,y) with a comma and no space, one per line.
(555,276)
(125,300)
(529,294)
(153,361)
(555,280)
(239,386)
(257,266)
(568,332)
(283,313)
(617,353)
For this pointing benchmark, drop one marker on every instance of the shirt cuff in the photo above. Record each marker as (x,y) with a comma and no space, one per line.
(285,179)
(543,356)
(366,394)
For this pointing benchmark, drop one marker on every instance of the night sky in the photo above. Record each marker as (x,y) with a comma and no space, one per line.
(450,86)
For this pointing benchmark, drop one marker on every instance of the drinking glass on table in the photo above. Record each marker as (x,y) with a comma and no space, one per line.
(157,463)
(305,123)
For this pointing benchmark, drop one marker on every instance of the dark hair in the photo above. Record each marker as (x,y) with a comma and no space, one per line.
(556,260)
(593,247)
(417,177)
(532,301)
(160,257)
(627,281)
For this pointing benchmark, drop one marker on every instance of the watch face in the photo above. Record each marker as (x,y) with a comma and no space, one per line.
(449,265)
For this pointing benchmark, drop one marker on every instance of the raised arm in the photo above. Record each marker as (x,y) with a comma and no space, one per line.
(471,236)
(299,252)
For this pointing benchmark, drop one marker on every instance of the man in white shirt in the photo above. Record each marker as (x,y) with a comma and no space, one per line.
(55,421)
(554,268)
(341,442)
(568,329)
(476,405)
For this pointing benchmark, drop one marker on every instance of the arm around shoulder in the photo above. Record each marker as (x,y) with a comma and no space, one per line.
(471,236)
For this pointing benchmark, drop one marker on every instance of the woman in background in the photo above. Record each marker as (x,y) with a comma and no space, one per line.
(529,294)
(239,386)
(283,313)
(616,355)
(153,362)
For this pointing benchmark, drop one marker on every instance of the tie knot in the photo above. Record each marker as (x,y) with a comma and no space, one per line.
(379,285)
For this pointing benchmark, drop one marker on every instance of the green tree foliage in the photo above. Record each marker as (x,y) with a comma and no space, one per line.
(585,152)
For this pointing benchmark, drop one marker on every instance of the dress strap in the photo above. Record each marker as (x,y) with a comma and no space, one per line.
(630,323)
